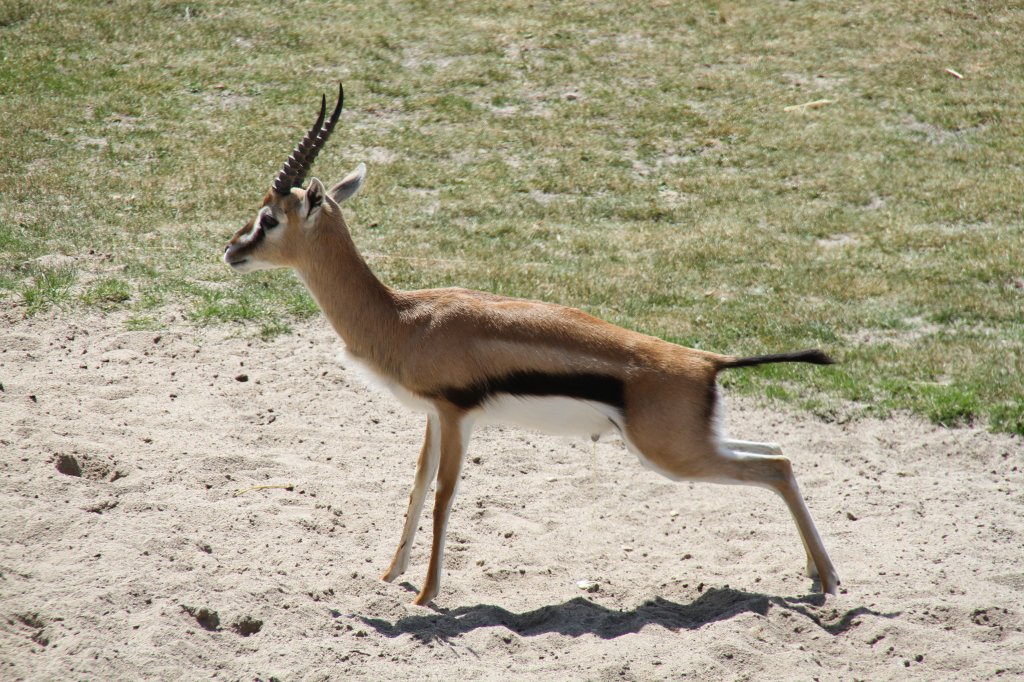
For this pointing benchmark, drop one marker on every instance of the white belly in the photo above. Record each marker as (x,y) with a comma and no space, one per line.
(550,414)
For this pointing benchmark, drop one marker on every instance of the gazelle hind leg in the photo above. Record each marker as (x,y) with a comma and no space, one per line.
(455,431)
(759,448)
(426,470)
(717,463)
(776,473)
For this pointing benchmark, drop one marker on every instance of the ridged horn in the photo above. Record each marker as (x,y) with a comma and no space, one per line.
(293,172)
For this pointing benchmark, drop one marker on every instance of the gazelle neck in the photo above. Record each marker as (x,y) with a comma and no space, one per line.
(360,307)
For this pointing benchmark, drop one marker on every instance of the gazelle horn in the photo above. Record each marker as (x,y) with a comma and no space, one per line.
(293,172)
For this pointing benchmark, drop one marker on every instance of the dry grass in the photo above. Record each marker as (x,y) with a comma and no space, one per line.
(641,164)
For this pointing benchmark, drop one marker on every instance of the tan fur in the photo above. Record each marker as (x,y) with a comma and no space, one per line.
(423,341)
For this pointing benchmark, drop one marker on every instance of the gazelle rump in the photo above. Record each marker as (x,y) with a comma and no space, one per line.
(467,357)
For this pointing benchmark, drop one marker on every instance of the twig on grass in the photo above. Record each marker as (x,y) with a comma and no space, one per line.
(816,104)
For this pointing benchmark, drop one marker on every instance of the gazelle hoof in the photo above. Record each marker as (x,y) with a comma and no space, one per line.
(831,585)
(423,598)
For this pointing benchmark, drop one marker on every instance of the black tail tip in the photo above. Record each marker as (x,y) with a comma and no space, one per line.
(818,357)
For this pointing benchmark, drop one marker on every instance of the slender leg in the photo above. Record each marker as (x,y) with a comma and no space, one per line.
(818,563)
(776,473)
(455,430)
(426,469)
(751,446)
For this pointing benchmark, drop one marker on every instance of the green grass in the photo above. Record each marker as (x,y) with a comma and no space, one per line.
(638,162)
(49,287)
(107,293)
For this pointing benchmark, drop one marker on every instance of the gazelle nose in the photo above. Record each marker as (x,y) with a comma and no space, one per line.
(226,247)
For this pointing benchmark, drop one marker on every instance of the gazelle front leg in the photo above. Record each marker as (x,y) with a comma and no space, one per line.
(426,469)
(455,429)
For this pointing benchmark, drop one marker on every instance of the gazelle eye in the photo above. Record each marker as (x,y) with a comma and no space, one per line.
(268,222)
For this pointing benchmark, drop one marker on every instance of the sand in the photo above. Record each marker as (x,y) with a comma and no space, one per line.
(197,504)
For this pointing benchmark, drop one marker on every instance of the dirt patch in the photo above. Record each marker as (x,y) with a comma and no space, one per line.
(270,507)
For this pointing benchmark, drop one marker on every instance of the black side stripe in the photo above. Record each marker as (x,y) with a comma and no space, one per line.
(581,386)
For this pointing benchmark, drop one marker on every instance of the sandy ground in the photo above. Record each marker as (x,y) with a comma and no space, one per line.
(135,544)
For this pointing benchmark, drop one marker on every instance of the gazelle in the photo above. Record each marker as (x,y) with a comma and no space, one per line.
(467,357)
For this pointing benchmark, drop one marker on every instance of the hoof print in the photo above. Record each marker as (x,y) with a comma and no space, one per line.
(99,468)
(36,624)
(68,465)
(207,619)
(247,625)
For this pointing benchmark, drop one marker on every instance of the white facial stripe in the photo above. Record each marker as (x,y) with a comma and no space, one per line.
(251,235)
(247,238)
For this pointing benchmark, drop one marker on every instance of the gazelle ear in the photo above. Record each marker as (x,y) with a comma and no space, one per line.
(347,188)
(314,198)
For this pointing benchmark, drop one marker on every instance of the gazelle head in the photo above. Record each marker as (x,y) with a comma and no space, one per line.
(284,230)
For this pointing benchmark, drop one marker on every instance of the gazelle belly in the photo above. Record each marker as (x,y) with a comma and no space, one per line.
(554,415)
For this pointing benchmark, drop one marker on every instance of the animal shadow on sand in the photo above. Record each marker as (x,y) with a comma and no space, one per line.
(580,616)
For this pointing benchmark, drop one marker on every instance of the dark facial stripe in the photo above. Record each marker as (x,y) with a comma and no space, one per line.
(582,386)
(257,236)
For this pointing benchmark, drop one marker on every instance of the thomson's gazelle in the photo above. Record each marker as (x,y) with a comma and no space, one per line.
(467,357)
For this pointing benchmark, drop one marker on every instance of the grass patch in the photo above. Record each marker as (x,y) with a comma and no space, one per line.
(273,329)
(1009,417)
(650,171)
(48,288)
(951,405)
(107,293)
(214,306)
(139,323)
